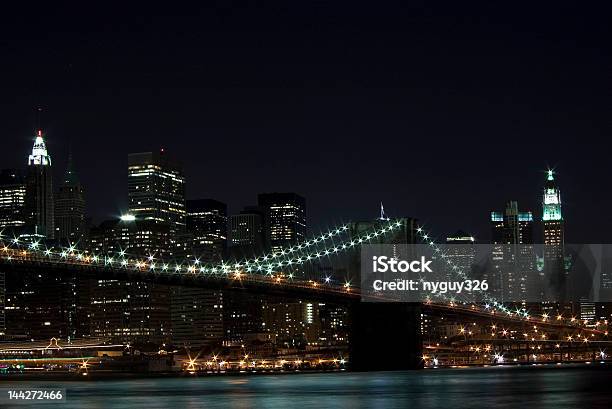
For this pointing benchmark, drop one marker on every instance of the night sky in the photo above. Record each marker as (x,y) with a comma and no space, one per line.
(440,111)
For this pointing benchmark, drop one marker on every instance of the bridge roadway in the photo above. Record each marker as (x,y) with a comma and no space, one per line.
(378,325)
(274,284)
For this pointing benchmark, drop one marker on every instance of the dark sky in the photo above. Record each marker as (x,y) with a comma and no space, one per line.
(442,112)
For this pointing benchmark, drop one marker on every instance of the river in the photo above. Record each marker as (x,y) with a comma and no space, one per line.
(494,387)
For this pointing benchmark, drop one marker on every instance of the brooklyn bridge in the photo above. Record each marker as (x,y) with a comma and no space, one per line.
(384,333)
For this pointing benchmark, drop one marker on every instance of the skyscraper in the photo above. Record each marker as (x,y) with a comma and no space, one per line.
(284,219)
(129,311)
(12,199)
(197,313)
(512,226)
(70,208)
(513,256)
(552,223)
(246,232)
(156,189)
(39,190)
(461,250)
(207,223)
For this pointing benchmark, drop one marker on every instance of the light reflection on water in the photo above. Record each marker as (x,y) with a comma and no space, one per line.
(500,387)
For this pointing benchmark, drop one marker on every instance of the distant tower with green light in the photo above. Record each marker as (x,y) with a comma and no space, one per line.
(552,222)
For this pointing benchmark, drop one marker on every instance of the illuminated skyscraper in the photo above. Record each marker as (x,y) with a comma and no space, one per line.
(247,236)
(39,190)
(156,189)
(554,272)
(461,250)
(284,219)
(12,199)
(552,221)
(70,208)
(207,222)
(129,311)
(513,256)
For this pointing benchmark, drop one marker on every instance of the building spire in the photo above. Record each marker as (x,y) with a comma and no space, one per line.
(39,155)
(551,203)
(383,216)
(70,177)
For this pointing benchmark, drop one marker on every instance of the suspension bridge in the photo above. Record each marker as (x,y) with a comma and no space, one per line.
(503,332)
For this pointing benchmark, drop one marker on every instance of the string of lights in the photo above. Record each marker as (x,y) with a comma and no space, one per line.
(492,305)
(264,264)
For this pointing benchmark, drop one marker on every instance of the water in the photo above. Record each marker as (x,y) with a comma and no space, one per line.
(498,387)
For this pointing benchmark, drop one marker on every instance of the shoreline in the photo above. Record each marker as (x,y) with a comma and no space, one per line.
(111,376)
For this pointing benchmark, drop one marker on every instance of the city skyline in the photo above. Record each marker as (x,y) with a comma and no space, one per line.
(481,233)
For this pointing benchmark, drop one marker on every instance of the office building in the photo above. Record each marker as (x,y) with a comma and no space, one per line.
(70,209)
(553,238)
(461,251)
(39,191)
(156,189)
(284,219)
(12,200)
(247,233)
(207,223)
(512,274)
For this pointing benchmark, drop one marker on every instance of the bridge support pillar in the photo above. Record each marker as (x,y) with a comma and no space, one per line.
(385,336)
